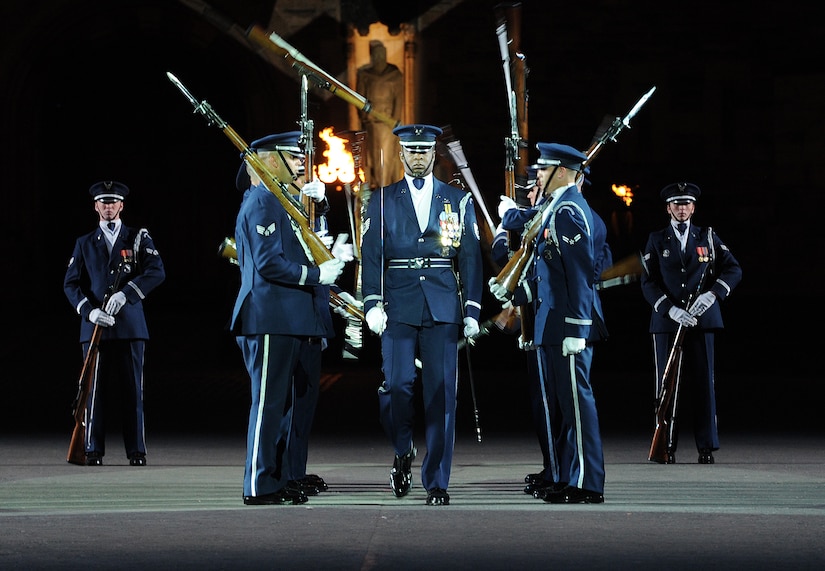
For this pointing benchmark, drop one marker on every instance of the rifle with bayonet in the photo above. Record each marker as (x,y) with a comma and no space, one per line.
(314,247)
(516,267)
(88,378)
(307,139)
(319,77)
(508,31)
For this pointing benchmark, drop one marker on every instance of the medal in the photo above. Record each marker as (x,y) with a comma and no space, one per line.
(702,254)
(448,223)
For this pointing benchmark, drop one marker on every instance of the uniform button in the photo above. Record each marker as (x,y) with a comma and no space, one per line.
(421,278)
(684,270)
(420,240)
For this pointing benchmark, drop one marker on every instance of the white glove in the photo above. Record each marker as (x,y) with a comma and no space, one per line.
(351,300)
(499,291)
(471,328)
(342,250)
(377,320)
(325,238)
(314,190)
(681,316)
(506,204)
(101,318)
(702,303)
(342,311)
(115,303)
(330,270)
(572,346)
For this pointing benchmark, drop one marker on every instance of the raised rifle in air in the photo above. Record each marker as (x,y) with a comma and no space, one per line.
(514,270)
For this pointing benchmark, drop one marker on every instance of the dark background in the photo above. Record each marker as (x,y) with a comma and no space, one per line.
(738,111)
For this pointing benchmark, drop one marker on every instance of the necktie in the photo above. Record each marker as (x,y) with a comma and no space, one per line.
(418,182)
(681,227)
(111,226)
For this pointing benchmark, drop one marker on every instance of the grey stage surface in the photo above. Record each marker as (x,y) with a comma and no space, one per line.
(761,506)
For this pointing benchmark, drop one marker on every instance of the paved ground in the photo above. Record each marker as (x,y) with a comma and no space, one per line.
(761,506)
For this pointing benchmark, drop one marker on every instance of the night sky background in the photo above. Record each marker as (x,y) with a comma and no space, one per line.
(738,110)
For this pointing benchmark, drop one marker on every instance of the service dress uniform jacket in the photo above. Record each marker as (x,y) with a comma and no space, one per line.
(89,278)
(550,431)
(567,305)
(280,308)
(428,282)
(672,278)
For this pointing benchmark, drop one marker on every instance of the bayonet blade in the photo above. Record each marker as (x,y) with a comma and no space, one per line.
(638,106)
(183,89)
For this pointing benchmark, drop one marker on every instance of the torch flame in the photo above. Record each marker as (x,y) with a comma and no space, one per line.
(624,193)
(340,165)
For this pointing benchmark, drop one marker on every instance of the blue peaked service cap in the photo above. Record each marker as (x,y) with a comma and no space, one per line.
(109,191)
(680,192)
(556,154)
(289,141)
(417,137)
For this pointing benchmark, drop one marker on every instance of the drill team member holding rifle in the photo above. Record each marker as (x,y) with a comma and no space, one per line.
(88,281)
(281,318)
(675,260)
(568,319)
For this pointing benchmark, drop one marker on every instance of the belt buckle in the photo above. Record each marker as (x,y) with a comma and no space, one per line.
(417,263)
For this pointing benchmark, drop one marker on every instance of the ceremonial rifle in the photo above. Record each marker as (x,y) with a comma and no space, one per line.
(88,377)
(663,442)
(313,246)
(319,77)
(516,267)
(308,140)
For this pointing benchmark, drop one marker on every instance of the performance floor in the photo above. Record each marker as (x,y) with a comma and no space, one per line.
(761,506)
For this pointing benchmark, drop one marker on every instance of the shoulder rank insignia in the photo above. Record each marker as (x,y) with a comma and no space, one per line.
(265,231)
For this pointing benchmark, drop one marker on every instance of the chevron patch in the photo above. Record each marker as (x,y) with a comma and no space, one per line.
(572,240)
(265,231)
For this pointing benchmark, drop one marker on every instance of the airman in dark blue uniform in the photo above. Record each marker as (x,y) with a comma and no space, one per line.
(547,417)
(422,286)
(675,259)
(280,318)
(568,320)
(90,277)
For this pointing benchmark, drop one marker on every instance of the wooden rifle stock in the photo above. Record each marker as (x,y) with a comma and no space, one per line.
(661,447)
(77,445)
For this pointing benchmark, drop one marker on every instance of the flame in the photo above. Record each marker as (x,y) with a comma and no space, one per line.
(624,193)
(340,165)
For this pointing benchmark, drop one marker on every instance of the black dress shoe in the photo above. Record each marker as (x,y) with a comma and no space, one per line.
(287,495)
(137,460)
(316,481)
(547,488)
(305,486)
(401,473)
(536,478)
(94,459)
(438,497)
(706,456)
(573,495)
